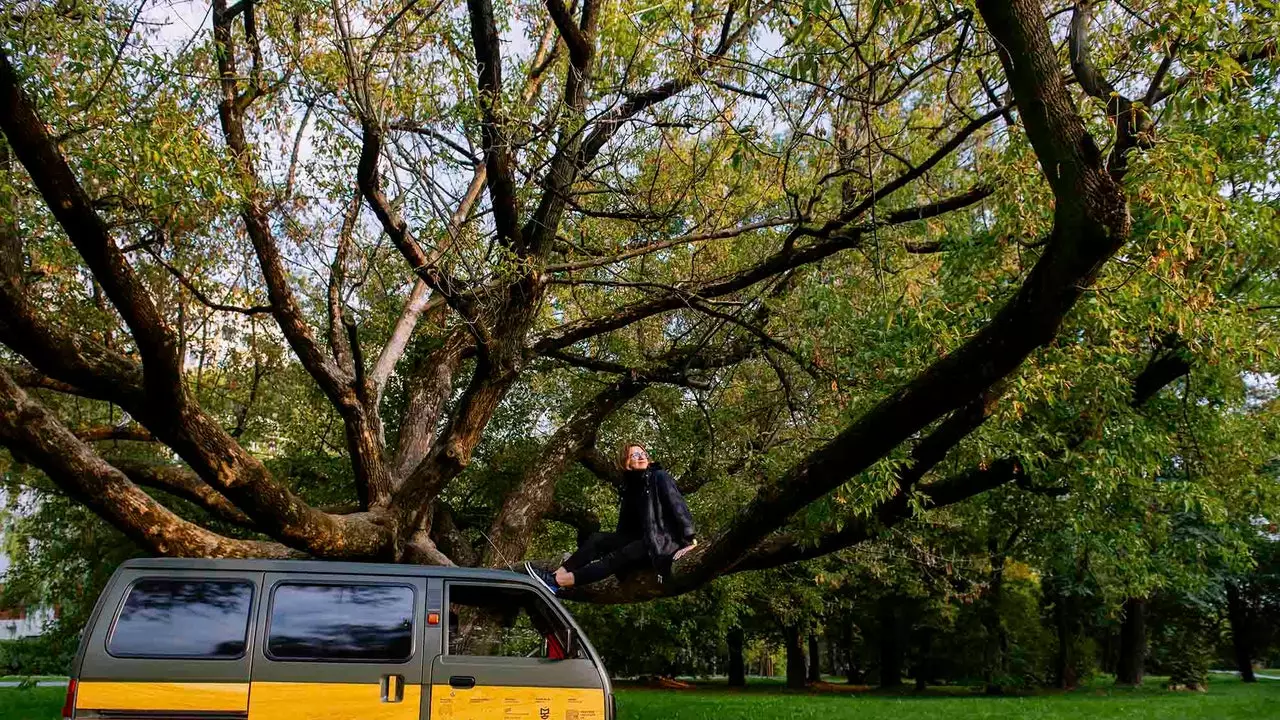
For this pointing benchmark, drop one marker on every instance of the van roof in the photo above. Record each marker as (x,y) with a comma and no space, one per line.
(323,566)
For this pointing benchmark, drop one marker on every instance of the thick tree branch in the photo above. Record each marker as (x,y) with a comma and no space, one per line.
(107,432)
(498,157)
(183,483)
(29,430)
(428,387)
(74,211)
(338,343)
(602,466)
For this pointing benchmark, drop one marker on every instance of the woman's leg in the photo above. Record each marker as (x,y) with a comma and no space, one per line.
(597,546)
(633,554)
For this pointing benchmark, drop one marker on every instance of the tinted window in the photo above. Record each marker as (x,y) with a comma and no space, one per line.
(183,618)
(504,621)
(341,622)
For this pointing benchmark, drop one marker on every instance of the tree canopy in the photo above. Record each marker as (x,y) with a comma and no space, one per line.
(381,279)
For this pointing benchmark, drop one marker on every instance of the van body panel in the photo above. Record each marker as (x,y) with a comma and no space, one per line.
(475,686)
(157,696)
(326,701)
(517,672)
(514,702)
(333,689)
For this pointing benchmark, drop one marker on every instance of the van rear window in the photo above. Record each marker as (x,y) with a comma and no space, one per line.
(341,622)
(180,618)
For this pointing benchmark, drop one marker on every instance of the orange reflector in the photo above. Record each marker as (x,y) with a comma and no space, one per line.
(433,618)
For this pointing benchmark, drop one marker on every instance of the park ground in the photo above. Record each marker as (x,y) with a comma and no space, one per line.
(1227,699)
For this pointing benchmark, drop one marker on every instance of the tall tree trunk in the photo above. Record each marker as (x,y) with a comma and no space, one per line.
(795,657)
(737,668)
(853,675)
(1065,661)
(890,643)
(923,667)
(997,640)
(1241,632)
(815,660)
(1133,642)
(833,662)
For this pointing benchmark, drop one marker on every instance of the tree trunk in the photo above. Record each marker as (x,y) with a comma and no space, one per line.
(853,676)
(1241,632)
(1133,643)
(923,669)
(795,657)
(997,640)
(737,669)
(833,661)
(890,644)
(1064,622)
(815,660)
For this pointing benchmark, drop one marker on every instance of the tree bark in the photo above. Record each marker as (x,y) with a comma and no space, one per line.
(737,664)
(853,675)
(996,637)
(815,660)
(1064,624)
(793,639)
(1241,632)
(1133,643)
(890,643)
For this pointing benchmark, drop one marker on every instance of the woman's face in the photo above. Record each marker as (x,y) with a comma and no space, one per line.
(637,458)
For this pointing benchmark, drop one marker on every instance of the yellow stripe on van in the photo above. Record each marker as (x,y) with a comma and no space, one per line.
(312,701)
(516,703)
(208,697)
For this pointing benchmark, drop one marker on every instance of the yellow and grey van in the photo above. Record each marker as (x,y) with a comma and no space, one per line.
(269,640)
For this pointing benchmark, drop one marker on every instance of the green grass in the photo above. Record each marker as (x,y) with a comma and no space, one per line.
(31,703)
(1227,699)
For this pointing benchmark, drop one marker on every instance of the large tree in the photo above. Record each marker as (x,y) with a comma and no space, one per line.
(829,241)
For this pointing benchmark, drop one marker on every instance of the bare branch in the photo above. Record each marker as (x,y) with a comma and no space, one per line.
(200,296)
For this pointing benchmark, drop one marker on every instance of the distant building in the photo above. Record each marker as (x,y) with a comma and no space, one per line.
(20,622)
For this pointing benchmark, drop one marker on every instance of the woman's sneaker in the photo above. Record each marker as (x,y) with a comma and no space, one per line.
(543,577)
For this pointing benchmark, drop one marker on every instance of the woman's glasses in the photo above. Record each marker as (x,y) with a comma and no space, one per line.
(638,455)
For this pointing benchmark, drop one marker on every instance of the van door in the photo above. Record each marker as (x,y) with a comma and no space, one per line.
(339,647)
(509,653)
(170,643)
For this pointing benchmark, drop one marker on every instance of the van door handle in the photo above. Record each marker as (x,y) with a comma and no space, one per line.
(392,688)
(463,682)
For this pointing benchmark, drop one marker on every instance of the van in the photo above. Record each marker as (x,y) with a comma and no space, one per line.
(265,639)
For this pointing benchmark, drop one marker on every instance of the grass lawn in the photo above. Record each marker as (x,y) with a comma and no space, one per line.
(1227,699)
(31,703)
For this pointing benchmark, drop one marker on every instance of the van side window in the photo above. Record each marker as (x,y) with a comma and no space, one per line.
(341,622)
(179,618)
(504,621)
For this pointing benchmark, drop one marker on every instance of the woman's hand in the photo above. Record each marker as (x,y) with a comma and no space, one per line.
(681,552)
